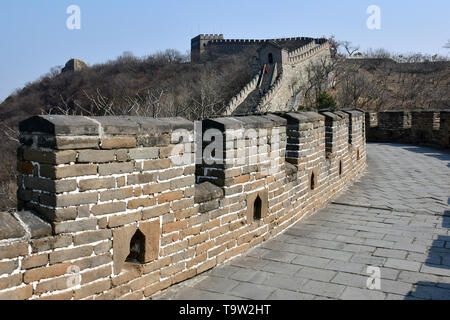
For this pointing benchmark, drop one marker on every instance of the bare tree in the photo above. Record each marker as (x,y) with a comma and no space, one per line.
(321,75)
(349,47)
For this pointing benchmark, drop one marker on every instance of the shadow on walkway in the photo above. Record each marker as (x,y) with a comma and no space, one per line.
(439,259)
(443,155)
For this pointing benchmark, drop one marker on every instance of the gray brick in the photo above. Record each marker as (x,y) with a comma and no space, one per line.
(402,264)
(284,295)
(361,294)
(323,289)
(252,291)
(315,274)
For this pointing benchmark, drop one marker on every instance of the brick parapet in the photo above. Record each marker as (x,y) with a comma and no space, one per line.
(419,127)
(110,205)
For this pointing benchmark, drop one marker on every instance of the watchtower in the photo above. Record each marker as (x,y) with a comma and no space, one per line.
(199,43)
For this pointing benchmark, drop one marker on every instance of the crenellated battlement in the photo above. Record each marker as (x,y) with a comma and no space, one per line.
(123,207)
(420,127)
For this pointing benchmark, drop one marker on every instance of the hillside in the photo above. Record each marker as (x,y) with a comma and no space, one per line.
(382,84)
(161,85)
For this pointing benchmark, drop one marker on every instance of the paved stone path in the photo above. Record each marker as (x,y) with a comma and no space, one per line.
(396,217)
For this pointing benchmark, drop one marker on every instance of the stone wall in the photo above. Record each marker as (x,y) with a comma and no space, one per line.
(292,79)
(123,207)
(418,127)
(207,45)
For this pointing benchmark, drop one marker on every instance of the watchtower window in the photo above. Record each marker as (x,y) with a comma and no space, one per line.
(313,183)
(357,155)
(257,207)
(270,58)
(340,168)
(137,247)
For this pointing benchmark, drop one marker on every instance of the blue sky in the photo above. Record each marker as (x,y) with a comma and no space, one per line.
(35,38)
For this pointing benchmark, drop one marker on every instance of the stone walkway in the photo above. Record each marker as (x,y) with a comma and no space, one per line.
(396,217)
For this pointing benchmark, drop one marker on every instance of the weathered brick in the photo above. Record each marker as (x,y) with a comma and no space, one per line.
(152,289)
(75,226)
(174,226)
(155,212)
(172,150)
(182,204)
(34,261)
(122,155)
(92,289)
(93,275)
(198,239)
(116,221)
(141,178)
(159,164)
(83,212)
(120,182)
(58,214)
(108,208)
(67,295)
(71,143)
(70,254)
(134,296)
(93,261)
(91,237)
(115,168)
(21,293)
(183,182)
(172,269)
(170,196)
(52,285)
(152,233)
(119,194)
(144,153)
(94,184)
(118,143)
(95,156)
(7,267)
(75,170)
(182,276)
(58,186)
(69,200)
(141,203)
(10,281)
(156,188)
(170,174)
(206,266)
(46,272)
(127,275)
(49,243)
(13,250)
(156,265)
(50,157)
(103,247)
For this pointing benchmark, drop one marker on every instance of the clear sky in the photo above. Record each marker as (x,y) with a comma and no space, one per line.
(34,35)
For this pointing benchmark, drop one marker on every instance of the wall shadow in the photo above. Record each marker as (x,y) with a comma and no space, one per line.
(439,258)
(441,154)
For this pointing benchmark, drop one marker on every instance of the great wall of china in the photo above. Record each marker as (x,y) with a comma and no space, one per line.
(279,74)
(124,207)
